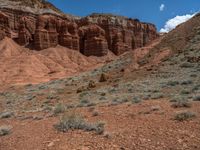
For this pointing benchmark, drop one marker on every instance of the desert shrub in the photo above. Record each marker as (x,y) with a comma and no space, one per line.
(112,90)
(157,96)
(181,103)
(70,106)
(42,87)
(51,96)
(46,108)
(130,90)
(176,98)
(81,89)
(136,100)
(186,82)
(196,98)
(60,91)
(173,83)
(30,97)
(196,88)
(119,100)
(185,92)
(193,75)
(146,97)
(103,77)
(187,65)
(6,114)
(83,94)
(102,98)
(84,101)
(59,108)
(72,121)
(5,130)
(184,115)
(90,104)
(124,100)
(103,94)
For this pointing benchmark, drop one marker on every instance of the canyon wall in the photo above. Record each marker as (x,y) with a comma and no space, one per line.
(92,35)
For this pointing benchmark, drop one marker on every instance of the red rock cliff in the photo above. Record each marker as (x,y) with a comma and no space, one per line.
(92,35)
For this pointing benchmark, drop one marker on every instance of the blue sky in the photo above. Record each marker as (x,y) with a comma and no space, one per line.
(154,11)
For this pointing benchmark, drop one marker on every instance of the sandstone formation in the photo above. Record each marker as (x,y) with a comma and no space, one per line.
(122,34)
(4,26)
(92,35)
(93,41)
(68,35)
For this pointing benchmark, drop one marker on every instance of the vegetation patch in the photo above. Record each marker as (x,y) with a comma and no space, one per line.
(184,115)
(196,98)
(59,108)
(136,100)
(173,83)
(182,103)
(72,121)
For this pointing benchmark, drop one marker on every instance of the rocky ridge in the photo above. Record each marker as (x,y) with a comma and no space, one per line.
(39,25)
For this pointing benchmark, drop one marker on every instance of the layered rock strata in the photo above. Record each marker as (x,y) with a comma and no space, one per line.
(92,35)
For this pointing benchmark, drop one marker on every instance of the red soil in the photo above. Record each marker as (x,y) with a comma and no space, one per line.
(129,126)
(19,65)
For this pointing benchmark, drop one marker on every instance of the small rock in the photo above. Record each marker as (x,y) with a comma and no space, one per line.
(6,114)
(50,144)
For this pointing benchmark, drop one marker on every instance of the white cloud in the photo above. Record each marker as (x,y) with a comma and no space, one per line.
(172,23)
(162,7)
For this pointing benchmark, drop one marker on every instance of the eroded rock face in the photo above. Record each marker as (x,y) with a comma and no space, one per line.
(4,26)
(93,41)
(122,34)
(91,35)
(46,32)
(68,35)
(26,30)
